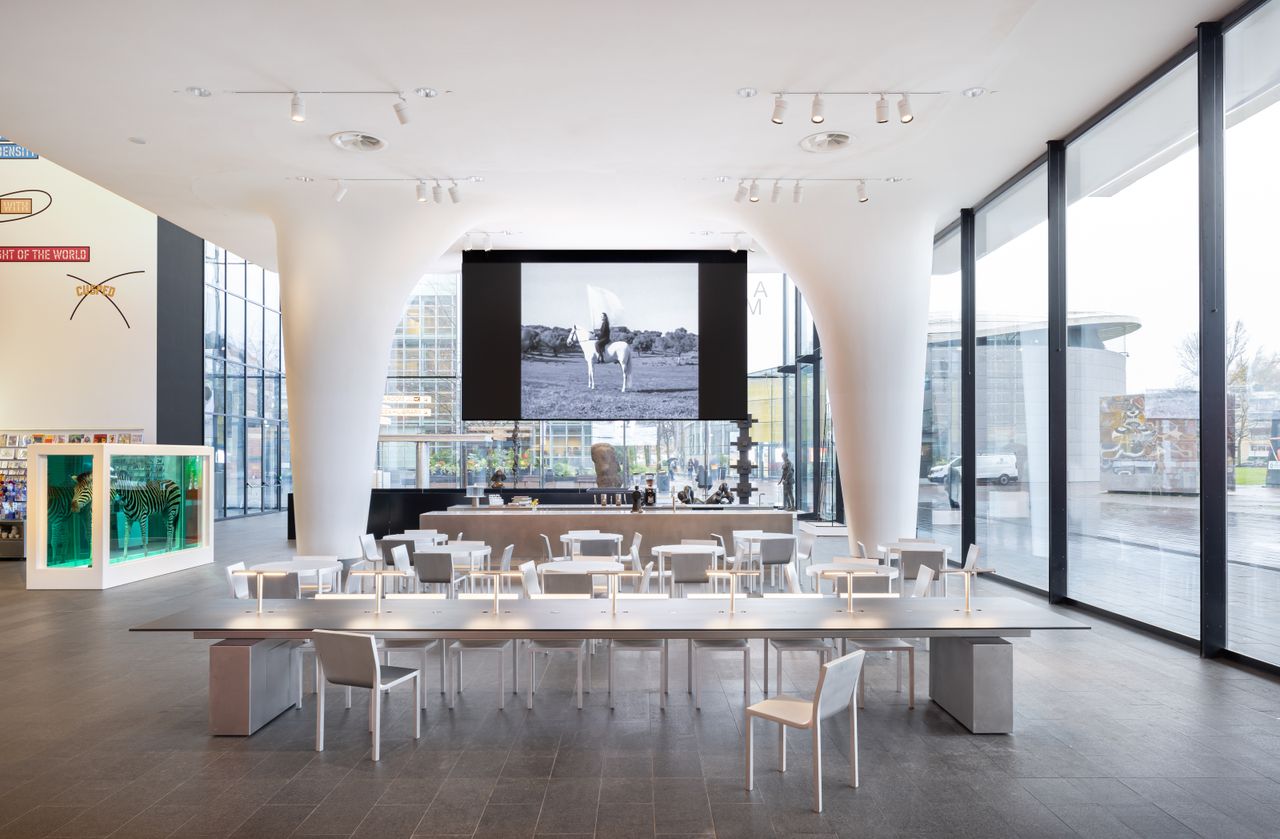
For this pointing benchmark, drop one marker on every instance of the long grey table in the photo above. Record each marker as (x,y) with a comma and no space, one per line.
(970,662)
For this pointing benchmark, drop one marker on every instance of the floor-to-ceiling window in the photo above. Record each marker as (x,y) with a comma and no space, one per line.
(938,515)
(1011,381)
(1252,88)
(245,402)
(1132,368)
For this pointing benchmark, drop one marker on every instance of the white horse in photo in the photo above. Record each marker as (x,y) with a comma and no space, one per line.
(619,351)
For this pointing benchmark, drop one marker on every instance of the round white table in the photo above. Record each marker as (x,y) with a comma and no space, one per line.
(817,569)
(581,566)
(331,568)
(664,551)
(420,542)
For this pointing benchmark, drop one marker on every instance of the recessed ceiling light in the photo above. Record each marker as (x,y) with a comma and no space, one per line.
(974,92)
(894,180)
(477,179)
(747,92)
(426,92)
(722,179)
(827,141)
(357,141)
(306,179)
(138,141)
(201,92)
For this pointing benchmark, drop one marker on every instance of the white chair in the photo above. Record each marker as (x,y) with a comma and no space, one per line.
(387,646)
(553,583)
(773,553)
(238,584)
(862,550)
(576,646)
(699,647)
(369,548)
(400,560)
(833,695)
(933,556)
(822,646)
(715,563)
(435,569)
(504,564)
(970,561)
(880,585)
(551,555)
(921,586)
(658,645)
(690,569)
(498,648)
(351,660)
(806,543)
(359,583)
(529,579)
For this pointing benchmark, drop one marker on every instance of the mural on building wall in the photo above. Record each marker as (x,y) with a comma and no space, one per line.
(1150,442)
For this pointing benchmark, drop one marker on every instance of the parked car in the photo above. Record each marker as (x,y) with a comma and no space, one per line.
(1001,469)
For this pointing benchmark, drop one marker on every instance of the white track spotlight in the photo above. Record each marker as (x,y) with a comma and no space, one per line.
(741,193)
(776,192)
(779,109)
(754,194)
(402,110)
(437,193)
(466,243)
(904,110)
(882,110)
(297,108)
(797,194)
(816,114)
(862,192)
(422,192)
(341,191)
(488,242)
(454,195)
(737,243)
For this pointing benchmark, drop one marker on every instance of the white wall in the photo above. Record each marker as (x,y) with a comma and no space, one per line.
(91,372)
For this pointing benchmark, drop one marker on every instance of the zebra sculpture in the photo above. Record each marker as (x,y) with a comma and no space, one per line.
(65,502)
(137,503)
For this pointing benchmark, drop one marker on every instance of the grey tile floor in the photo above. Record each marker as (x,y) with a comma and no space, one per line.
(102,733)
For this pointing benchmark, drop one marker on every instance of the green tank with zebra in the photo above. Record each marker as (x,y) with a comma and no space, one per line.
(154,507)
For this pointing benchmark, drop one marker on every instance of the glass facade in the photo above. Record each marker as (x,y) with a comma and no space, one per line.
(424,443)
(938,515)
(1112,227)
(246,410)
(1011,363)
(1251,82)
(1133,290)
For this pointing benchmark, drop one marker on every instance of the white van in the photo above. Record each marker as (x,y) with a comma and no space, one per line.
(1000,468)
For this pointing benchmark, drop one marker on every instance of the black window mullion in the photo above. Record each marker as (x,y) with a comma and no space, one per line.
(968,384)
(1058,349)
(1213,345)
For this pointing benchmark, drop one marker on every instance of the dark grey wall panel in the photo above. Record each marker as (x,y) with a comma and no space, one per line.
(179,336)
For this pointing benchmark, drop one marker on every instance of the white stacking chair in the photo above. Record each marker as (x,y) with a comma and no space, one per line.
(551,554)
(575,646)
(400,560)
(494,647)
(715,563)
(822,646)
(529,579)
(567,584)
(369,548)
(898,646)
(970,561)
(238,584)
(504,564)
(862,550)
(834,694)
(387,646)
(435,568)
(351,660)
(647,645)
(806,543)
(932,556)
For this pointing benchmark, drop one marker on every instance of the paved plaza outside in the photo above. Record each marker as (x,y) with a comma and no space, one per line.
(1139,555)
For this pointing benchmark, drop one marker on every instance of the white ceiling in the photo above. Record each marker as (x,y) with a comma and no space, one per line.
(593,124)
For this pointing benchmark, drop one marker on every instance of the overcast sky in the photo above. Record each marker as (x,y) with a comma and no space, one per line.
(1135,254)
(659,296)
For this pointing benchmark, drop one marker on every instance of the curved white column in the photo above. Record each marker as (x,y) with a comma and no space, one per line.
(864,272)
(345,273)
